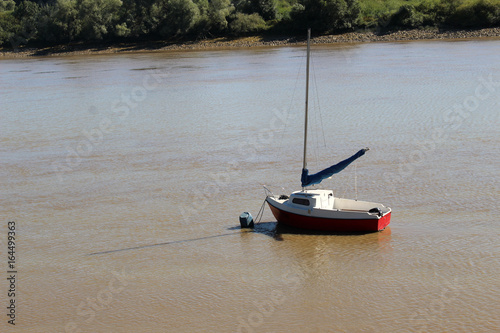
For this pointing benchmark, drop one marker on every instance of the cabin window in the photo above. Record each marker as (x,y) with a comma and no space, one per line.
(300,201)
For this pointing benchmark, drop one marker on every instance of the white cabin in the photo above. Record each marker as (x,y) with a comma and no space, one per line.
(312,199)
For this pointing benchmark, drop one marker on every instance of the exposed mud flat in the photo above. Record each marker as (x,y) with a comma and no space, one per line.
(255,41)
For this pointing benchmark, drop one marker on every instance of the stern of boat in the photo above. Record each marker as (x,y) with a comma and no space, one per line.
(385,218)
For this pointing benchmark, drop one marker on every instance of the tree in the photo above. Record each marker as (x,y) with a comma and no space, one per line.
(135,18)
(7,5)
(48,27)
(175,17)
(218,12)
(267,9)
(97,18)
(326,15)
(8,27)
(67,20)
(27,14)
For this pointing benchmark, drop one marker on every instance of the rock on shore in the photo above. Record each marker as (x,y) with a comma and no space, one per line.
(257,41)
(350,37)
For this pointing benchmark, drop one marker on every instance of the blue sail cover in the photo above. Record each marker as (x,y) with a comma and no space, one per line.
(308,180)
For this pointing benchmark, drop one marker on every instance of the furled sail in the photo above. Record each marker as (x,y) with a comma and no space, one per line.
(308,180)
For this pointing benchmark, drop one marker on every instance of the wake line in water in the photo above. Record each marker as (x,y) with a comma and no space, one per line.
(160,244)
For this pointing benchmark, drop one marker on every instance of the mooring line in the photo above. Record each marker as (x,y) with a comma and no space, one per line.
(261,212)
(165,243)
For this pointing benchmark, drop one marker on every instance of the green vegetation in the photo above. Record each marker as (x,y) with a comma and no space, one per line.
(430,13)
(42,22)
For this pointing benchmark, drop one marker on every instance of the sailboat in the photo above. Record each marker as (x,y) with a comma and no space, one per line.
(319,209)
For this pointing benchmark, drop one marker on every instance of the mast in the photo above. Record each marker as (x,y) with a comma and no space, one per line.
(304,164)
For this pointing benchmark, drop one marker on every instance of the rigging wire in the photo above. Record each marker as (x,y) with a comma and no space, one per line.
(356,179)
(290,106)
(315,83)
(348,183)
(318,119)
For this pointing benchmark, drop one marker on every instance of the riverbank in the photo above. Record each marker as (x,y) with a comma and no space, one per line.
(245,42)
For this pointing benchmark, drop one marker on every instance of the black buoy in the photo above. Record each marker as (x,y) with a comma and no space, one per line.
(246,220)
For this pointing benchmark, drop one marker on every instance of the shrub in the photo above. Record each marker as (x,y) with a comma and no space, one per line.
(438,12)
(246,23)
(480,14)
(407,17)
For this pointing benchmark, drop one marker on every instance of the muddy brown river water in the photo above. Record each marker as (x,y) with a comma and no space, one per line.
(125,176)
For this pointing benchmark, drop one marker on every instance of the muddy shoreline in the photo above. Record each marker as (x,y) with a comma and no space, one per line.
(247,42)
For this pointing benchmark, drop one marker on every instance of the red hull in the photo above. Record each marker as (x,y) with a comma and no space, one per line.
(332,225)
